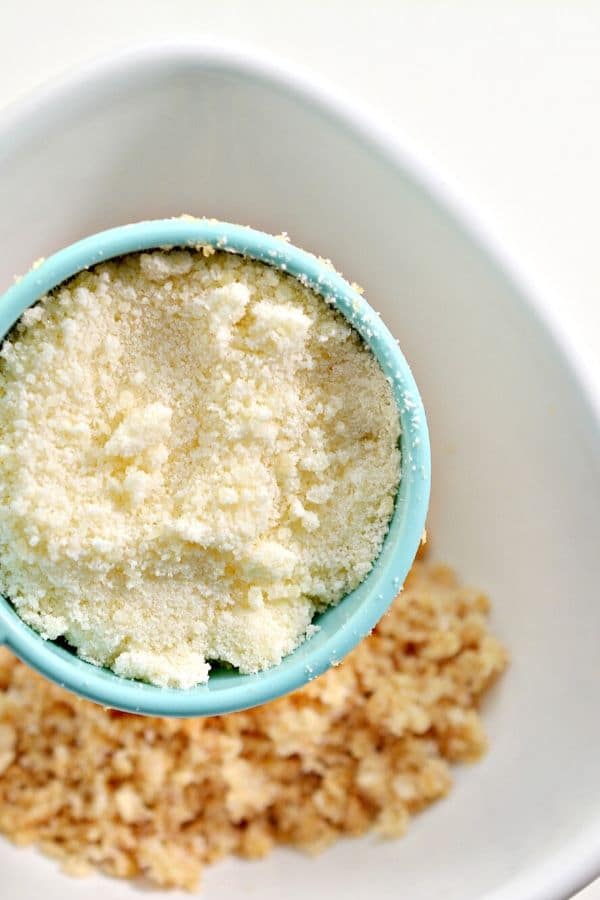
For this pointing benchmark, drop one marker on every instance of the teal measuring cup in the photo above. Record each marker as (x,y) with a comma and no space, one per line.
(340,627)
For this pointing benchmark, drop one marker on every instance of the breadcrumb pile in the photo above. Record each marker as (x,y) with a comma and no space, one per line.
(364,746)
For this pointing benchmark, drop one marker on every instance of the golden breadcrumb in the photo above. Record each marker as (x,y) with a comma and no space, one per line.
(367,745)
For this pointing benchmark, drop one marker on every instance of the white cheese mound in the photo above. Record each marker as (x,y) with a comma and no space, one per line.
(196,455)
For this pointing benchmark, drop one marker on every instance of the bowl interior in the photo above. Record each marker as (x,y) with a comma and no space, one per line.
(515,447)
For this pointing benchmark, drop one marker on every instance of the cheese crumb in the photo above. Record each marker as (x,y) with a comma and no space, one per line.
(198,454)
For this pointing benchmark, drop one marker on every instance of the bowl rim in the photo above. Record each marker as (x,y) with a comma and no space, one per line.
(340,627)
(578,863)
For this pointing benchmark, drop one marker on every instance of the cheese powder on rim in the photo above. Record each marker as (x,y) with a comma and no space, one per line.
(196,455)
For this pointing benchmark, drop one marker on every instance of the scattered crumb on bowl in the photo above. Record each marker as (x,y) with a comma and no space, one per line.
(364,746)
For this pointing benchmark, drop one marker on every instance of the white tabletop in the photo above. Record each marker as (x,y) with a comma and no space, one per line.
(501,96)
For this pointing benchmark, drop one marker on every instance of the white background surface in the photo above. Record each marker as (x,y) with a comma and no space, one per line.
(502,97)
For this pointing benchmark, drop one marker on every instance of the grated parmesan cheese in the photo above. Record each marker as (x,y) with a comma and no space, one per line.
(196,455)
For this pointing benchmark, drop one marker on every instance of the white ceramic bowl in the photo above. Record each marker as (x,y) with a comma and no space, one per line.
(515,438)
